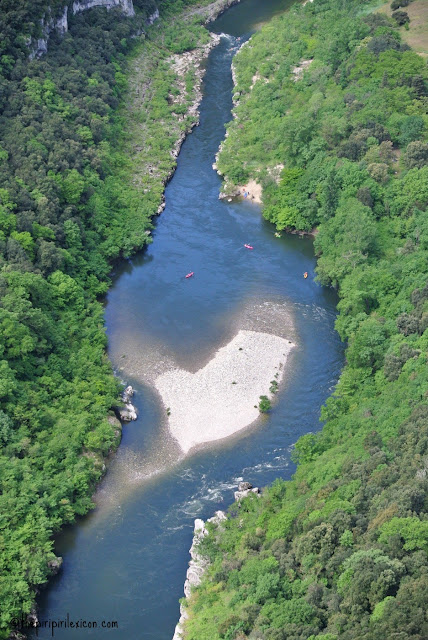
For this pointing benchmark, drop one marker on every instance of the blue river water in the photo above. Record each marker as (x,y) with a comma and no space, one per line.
(126,561)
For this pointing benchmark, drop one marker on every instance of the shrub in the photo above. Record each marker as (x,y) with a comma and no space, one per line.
(401,17)
(416,154)
(264,404)
(396,4)
(407,324)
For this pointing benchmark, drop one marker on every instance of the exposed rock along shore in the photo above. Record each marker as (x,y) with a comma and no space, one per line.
(217,8)
(245,489)
(229,191)
(181,64)
(198,563)
(197,566)
(128,412)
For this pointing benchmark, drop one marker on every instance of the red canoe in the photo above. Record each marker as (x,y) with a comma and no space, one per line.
(189,275)
(248,246)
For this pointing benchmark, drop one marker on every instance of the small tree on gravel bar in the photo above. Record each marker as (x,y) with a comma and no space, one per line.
(264,404)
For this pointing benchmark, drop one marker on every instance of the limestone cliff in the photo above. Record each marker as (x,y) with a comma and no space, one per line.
(49,23)
(59,23)
(126,5)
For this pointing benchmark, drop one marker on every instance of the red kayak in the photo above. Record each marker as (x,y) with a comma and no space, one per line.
(248,246)
(189,275)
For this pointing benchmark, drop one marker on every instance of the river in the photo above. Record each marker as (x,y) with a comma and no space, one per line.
(126,561)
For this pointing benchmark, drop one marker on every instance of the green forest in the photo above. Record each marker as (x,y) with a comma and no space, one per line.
(330,96)
(68,210)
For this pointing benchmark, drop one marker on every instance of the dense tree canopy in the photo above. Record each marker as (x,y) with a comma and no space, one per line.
(339,552)
(68,208)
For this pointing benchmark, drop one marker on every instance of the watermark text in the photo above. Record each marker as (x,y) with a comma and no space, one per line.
(62,623)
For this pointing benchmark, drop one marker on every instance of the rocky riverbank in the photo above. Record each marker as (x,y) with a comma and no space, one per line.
(128,412)
(153,170)
(197,566)
(181,65)
(198,563)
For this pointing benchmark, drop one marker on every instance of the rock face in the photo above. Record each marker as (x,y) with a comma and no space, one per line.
(32,618)
(153,17)
(55,565)
(126,5)
(216,9)
(127,394)
(128,413)
(60,24)
(244,490)
(197,566)
(49,24)
(198,563)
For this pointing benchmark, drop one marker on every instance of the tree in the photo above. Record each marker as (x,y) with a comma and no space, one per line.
(6,428)
(411,129)
(401,17)
(368,346)
(416,154)
(412,530)
(264,404)
(396,4)
(344,241)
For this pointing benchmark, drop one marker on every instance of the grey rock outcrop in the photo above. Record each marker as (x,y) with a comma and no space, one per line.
(244,490)
(153,17)
(127,6)
(127,394)
(216,9)
(48,24)
(197,566)
(128,412)
(55,565)
(32,617)
(60,23)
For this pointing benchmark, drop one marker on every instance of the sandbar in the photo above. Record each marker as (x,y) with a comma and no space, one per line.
(219,400)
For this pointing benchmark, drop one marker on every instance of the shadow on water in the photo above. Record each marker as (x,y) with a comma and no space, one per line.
(127,560)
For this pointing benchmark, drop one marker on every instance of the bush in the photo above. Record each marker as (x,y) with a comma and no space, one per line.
(416,155)
(401,17)
(407,324)
(396,4)
(382,43)
(264,404)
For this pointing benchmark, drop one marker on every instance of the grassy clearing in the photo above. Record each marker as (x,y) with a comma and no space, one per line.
(417,34)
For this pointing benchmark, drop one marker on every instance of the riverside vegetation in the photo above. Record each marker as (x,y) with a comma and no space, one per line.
(330,95)
(68,209)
